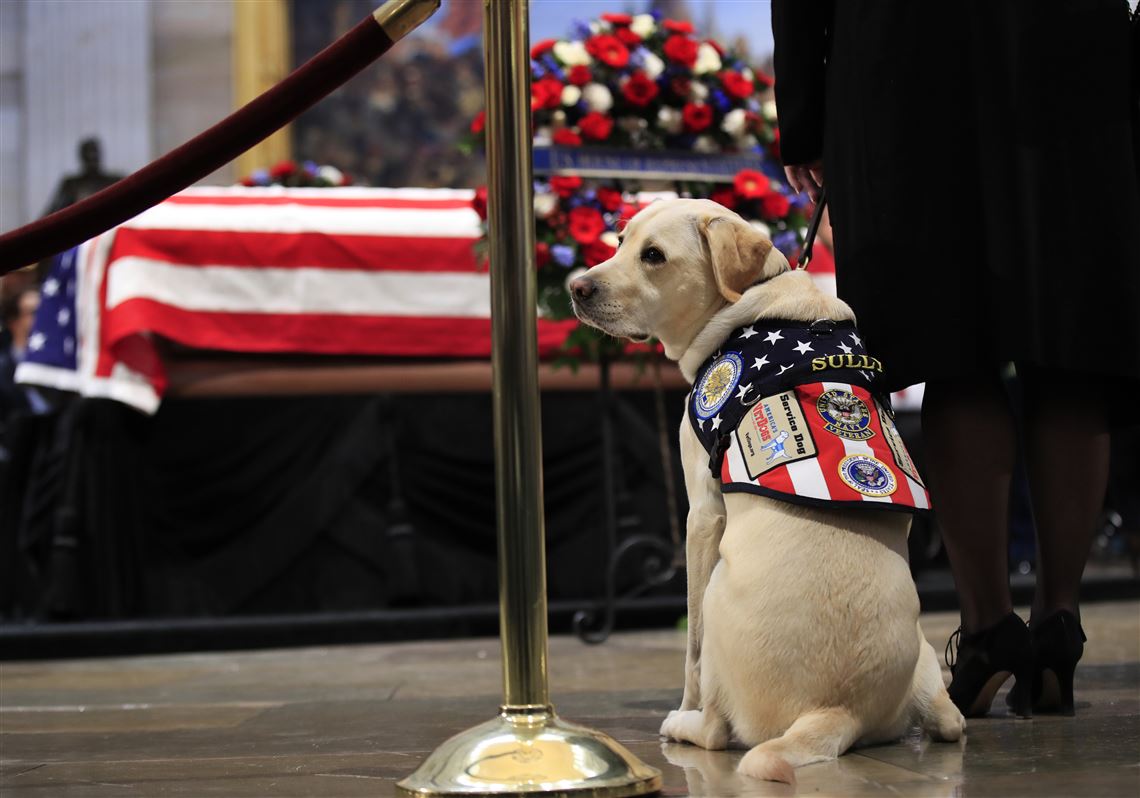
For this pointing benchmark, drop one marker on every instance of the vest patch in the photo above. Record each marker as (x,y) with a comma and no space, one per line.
(774,433)
(717,384)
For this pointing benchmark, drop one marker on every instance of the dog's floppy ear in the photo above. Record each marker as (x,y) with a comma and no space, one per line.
(741,255)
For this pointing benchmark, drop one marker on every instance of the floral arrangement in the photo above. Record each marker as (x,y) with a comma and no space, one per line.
(640,82)
(294,175)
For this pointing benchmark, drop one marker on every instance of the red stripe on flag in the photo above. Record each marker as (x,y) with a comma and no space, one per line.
(296,250)
(326,202)
(313,333)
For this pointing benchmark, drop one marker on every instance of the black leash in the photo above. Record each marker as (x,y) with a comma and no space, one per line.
(813,228)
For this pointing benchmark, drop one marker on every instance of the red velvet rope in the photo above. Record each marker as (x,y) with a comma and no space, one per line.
(200,156)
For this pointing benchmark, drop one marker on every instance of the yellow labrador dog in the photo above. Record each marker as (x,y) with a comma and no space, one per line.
(803,621)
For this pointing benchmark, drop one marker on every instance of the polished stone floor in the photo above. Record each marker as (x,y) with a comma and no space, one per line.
(350,721)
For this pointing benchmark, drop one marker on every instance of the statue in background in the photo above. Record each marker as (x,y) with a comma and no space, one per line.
(90,181)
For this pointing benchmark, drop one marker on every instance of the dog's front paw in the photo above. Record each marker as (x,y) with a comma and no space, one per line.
(948,724)
(669,726)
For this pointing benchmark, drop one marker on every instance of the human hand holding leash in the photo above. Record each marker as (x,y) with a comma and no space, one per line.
(806,177)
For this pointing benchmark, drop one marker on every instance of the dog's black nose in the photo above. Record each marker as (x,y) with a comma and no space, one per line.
(583,288)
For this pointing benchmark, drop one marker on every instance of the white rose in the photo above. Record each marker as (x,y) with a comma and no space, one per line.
(698,92)
(708,59)
(670,120)
(610,238)
(545,204)
(762,228)
(597,26)
(747,73)
(571,53)
(643,25)
(331,174)
(654,66)
(571,94)
(769,110)
(735,122)
(598,97)
(705,144)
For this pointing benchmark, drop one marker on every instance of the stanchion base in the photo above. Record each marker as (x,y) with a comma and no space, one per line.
(529,751)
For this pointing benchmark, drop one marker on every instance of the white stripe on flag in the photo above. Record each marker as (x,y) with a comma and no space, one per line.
(253,193)
(807,478)
(305,290)
(374,222)
(918,493)
(857,447)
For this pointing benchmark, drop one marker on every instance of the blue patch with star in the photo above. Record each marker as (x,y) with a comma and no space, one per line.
(717,384)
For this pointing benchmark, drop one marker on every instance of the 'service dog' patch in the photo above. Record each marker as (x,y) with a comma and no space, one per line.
(774,432)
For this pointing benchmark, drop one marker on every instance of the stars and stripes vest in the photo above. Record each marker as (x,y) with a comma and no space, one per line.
(789,410)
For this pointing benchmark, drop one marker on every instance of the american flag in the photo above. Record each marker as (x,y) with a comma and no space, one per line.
(388,272)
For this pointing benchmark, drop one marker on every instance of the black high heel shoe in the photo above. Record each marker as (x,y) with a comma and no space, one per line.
(1058,643)
(984,661)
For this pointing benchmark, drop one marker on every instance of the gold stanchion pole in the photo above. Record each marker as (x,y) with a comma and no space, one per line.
(526,750)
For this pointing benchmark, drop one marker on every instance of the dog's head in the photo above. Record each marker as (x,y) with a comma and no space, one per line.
(680,261)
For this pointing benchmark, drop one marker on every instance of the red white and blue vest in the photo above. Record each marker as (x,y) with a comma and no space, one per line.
(788,410)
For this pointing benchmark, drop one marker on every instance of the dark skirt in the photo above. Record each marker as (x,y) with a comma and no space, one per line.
(982,181)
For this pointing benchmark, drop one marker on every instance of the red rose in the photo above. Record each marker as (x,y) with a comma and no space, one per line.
(696,116)
(565,186)
(479,202)
(681,49)
(247,181)
(677,26)
(736,85)
(541,47)
(627,37)
(608,49)
(478,122)
(751,184)
(725,197)
(546,93)
(609,198)
(283,169)
(566,137)
(764,79)
(541,254)
(774,145)
(586,224)
(681,86)
(596,126)
(774,205)
(596,252)
(639,89)
(579,75)
(618,19)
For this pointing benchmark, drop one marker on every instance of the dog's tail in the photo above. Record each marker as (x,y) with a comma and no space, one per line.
(816,736)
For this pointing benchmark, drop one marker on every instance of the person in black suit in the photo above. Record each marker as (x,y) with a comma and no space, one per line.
(980,170)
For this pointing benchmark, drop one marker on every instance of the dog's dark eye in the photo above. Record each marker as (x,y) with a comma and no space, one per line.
(652,255)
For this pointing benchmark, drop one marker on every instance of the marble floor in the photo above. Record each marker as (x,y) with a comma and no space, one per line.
(350,721)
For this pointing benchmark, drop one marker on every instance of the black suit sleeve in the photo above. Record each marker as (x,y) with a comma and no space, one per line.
(800,29)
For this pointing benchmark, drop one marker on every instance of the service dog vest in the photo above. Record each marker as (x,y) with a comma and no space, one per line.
(788,410)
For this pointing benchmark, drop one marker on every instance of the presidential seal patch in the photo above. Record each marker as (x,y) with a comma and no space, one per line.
(867,475)
(717,385)
(845,414)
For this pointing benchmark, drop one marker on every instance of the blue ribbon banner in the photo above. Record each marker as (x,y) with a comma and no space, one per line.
(647,165)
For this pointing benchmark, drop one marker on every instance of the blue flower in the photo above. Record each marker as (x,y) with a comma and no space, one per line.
(637,57)
(581,29)
(787,242)
(720,100)
(552,67)
(563,255)
(260,177)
